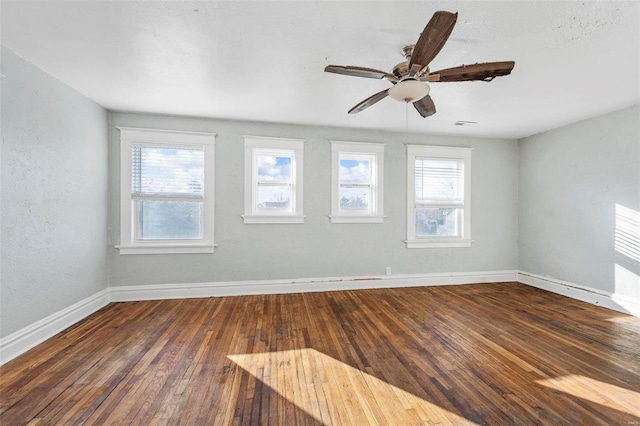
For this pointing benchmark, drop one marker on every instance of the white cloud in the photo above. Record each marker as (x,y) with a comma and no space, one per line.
(360,173)
(269,169)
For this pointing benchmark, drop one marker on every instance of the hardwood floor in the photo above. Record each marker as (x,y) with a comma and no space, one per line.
(476,354)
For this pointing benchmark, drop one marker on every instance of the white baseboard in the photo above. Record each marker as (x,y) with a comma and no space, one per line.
(22,340)
(32,335)
(36,333)
(304,285)
(616,302)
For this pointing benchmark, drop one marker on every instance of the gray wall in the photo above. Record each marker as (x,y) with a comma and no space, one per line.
(54,196)
(318,248)
(571,180)
(55,249)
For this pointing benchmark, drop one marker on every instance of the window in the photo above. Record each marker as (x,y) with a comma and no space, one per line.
(438,183)
(166,191)
(356,182)
(273,180)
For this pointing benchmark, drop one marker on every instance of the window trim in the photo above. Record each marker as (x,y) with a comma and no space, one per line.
(130,136)
(253,146)
(372,149)
(430,151)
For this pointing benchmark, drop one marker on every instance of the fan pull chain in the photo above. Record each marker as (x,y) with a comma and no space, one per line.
(406,123)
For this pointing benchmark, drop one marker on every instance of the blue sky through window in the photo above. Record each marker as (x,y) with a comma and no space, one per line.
(355,171)
(274,168)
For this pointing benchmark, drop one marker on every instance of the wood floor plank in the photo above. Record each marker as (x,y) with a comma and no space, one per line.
(474,354)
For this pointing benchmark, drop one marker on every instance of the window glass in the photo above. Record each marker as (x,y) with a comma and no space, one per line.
(176,175)
(438,199)
(273,180)
(274,197)
(439,179)
(437,222)
(272,168)
(355,183)
(169,220)
(167,171)
(166,191)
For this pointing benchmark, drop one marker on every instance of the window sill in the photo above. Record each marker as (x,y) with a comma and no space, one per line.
(255,219)
(356,219)
(166,249)
(437,243)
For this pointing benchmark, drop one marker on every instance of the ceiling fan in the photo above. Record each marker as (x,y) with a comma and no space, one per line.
(410,77)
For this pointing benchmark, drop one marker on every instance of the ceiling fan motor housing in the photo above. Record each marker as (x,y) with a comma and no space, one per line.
(403,67)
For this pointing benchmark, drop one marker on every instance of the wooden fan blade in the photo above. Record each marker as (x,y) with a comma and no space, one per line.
(430,78)
(425,106)
(433,37)
(369,101)
(486,71)
(359,72)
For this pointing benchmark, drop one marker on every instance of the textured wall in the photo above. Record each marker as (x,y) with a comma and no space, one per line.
(579,190)
(54,196)
(318,248)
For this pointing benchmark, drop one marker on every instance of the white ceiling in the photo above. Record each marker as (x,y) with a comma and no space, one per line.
(264,60)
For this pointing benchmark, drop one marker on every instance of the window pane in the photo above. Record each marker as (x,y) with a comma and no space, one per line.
(273,168)
(439,179)
(437,222)
(355,170)
(167,171)
(355,198)
(169,220)
(272,197)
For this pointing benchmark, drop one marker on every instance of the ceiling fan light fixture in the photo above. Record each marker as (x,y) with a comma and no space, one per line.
(409,90)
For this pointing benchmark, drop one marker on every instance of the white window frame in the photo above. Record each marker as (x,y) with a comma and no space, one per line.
(458,153)
(376,153)
(130,137)
(260,145)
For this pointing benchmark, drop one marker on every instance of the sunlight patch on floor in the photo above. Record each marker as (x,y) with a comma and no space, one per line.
(626,320)
(608,395)
(333,392)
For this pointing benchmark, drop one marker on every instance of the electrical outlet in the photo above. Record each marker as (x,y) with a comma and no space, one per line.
(388,270)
